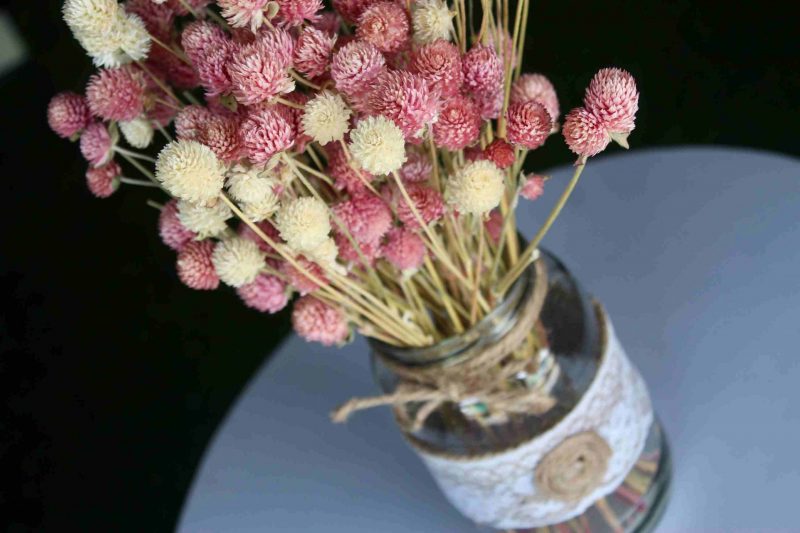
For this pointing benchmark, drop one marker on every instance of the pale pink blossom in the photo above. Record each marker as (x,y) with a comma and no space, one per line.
(173,233)
(68,114)
(277,42)
(533,187)
(316,321)
(117,93)
(265,132)
(370,251)
(103,181)
(458,125)
(404,249)
(538,88)
(267,294)
(194,265)
(386,25)
(427,200)
(528,124)
(355,66)
(440,64)
(256,75)
(405,99)
(483,70)
(500,153)
(295,12)
(189,121)
(366,217)
(347,175)
(212,68)
(494,225)
(613,98)
(584,133)
(417,167)
(199,37)
(300,281)
(96,144)
(243,13)
(312,55)
(221,134)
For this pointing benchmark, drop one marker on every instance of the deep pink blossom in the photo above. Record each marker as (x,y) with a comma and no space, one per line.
(68,114)
(494,225)
(117,93)
(355,66)
(312,55)
(221,134)
(265,132)
(267,294)
(346,174)
(584,133)
(212,68)
(316,321)
(440,64)
(500,153)
(96,146)
(533,187)
(173,233)
(528,124)
(350,10)
(613,98)
(427,200)
(103,181)
(194,265)
(189,120)
(386,25)
(295,12)
(328,22)
(538,88)
(483,70)
(458,125)
(366,217)
(404,249)
(417,167)
(406,99)
(370,251)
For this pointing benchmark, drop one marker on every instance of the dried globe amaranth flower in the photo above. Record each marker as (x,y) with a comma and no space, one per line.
(303,223)
(476,189)
(190,171)
(378,145)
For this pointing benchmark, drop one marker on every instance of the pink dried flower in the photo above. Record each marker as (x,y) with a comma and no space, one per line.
(405,99)
(199,37)
(295,117)
(256,75)
(533,187)
(458,125)
(277,42)
(269,230)
(297,279)
(317,321)
(96,144)
(116,93)
(584,133)
(189,121)
(347,175)
(366,217)
(173,233)
(384,24)
(328,22)
(494,225)
(355,66)
(528,124)
(243,13)
(295,12)
(370,251)
(428,201)
(104,181)
(483,70)
(404,249)
(417,167)
(221,134)
(538,88)
(440,64)
(267,294)
(265,132)
(68,114)
(490,103)
(212,68)
(158,18)
(613,98)
(500,153)
(194,265)
(312,55)
(474,153)
(350,10)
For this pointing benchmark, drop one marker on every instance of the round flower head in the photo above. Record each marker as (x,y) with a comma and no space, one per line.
(303,223)
(326,118)
(533,187)
(427,201)
(384,24)
(584,133)
(256,75)
(404,249)
(494,225)
(97,144)
(316,321)
(237,261)
(104,181)
(199,38)
(406,99)
(116,94)
(204,221)
(477,188)
(189,120)
(500,153)
(68,114)
(249,185)
(366,251)
(365,216)
(537,88)
(483,70)
(221,134)
(432,20)
(195,268)
(325,255)
(490,103)
(417,167)
(262,201)
(212,68)
(528,124)
(190,171)
(173,233)
(350,10)
(459,124)
(378,146)
(244,13)
(266,293)
(613,98)
(355,66)
(278,43)
(440,64)
(138,132)
(304,284)
(347,175)
(266,132)
(295,12)
(312,55)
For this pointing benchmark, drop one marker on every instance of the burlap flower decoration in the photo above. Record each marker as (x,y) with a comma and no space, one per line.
(574,468)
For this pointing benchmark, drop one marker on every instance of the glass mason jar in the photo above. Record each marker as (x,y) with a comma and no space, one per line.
(575,334)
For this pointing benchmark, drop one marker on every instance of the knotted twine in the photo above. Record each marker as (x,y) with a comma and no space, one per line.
(486,376)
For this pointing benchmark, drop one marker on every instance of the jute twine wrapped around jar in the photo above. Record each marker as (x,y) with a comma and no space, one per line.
(485,375)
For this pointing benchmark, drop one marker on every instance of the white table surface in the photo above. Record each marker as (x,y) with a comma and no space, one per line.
(695,252)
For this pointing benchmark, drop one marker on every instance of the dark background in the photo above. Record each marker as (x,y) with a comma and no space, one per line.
(114,376)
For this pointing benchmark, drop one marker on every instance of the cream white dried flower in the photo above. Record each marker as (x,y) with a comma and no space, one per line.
(110,35)
(138,132)
(250,184)
(477,188)
(190,171)
(261,209)
(237,261)
(325,255)
(204,221)
(326,118)
(303,223)
(378,145)
(432,20)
